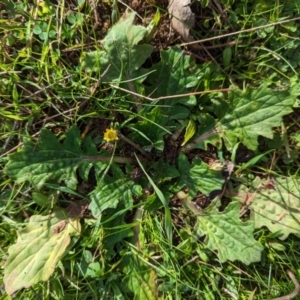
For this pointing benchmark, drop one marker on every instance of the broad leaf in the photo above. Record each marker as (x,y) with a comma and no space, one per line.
(243,117)
(38,249)
(151,129)
(108,195)
(86,266)
(175,74)
(115,230)
(50,160)
(162,171)
(89,149)
(252,113)
(139,282)
(122,55)
(197,177)
(274,204)
(227,234)
(112,190)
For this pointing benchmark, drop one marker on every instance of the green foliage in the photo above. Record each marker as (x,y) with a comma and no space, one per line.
(245,116)
(163,212)
(111,191)
(226,233)
(253,113)
(190,131)
(197,177)
(151,129)
(51,160)
(274,204)
(174,74)
(122,54)
(140,279)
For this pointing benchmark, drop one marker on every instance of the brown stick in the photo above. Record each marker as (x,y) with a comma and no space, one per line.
(295,292)
(171,96)
(240,31)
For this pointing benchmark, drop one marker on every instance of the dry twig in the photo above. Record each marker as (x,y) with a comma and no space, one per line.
(295,292)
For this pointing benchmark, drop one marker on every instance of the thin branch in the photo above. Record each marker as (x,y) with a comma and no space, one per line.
(116,159)
(295,292)
(171,96)
(240,31)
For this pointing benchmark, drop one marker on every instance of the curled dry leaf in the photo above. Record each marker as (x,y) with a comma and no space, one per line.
(183,19)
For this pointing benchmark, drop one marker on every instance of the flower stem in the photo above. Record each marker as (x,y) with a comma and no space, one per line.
(116,159)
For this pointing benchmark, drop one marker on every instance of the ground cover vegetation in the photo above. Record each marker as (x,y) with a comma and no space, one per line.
(149,150)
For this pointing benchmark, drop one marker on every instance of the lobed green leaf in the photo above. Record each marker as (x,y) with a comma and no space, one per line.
(50,160)
(197,177)
(227,234)
(252,113)
(274,204)
(122,55)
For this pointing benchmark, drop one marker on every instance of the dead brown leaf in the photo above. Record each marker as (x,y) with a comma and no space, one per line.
(183,19)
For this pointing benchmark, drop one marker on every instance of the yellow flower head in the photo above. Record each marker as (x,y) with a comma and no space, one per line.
(110,135)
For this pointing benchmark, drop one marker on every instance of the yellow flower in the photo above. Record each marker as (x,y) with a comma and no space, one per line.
(110,135)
